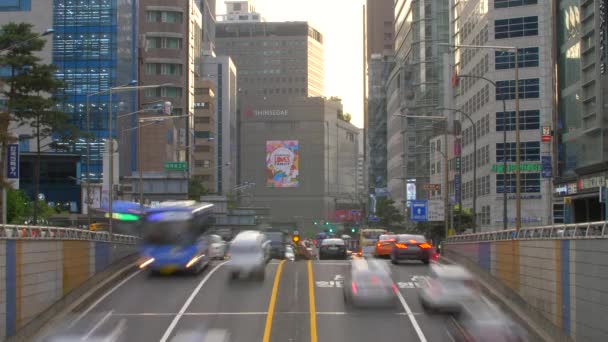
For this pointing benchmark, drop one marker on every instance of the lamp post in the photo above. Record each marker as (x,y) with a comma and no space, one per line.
(111,147)
(517,130)
(504,144)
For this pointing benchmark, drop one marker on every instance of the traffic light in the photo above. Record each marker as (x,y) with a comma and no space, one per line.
(353,229)
(331,230)
(295,238)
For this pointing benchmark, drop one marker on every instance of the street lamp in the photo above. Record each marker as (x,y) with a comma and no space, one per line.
(517,130)
(504,144)
(474,164)
(445,157)
(111,149)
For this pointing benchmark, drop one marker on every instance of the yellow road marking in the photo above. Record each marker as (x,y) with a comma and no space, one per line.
(273,301)
(311,303)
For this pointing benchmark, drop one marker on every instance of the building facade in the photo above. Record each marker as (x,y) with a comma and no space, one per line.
(581,49)
(415,87)
(380,31)
(221,71)
(274,59)
(205,162)
(301,158)
(526,25)
(171,37)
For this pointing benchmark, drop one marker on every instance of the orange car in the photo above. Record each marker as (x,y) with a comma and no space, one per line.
(384,246)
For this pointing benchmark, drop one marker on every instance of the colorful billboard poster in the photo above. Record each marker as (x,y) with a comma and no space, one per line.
(282,164)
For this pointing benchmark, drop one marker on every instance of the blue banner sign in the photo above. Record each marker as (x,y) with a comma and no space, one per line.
(418,211)
(547,169)
(12,165)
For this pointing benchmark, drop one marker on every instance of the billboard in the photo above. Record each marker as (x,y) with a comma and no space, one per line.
(282,164)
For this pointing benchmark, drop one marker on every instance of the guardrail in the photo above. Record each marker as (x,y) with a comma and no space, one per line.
(17,232)
(590,230)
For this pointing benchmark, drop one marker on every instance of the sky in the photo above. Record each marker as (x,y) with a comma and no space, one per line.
(340,22)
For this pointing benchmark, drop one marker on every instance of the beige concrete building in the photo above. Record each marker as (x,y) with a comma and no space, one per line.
(205,166)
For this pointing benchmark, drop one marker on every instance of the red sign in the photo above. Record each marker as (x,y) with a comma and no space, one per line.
(347,215)
(546,134)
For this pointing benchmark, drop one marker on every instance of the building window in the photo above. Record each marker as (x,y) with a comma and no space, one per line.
(530,183)
(202,119)
(202,134)
(163,43)
(24,141)
(164,69)
(528,89)
(202,148)
(516,27)
(485,215)
(528,119)
(174,92)
(513,3)
(529,151)
(167,17)
(526,58)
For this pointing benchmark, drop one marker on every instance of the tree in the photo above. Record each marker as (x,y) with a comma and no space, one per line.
(31,90)
(388,214)
(196,189)
(16,206)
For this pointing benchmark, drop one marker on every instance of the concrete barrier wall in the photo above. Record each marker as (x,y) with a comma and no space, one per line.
(35,274)
(566,281)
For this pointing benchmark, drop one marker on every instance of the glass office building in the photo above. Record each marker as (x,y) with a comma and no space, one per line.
(94,49)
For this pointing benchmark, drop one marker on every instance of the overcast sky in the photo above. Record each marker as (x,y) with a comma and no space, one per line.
(340,22)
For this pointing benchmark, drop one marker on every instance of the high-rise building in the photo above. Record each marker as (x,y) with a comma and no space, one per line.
(379,63)
(205,168)
(95,49)
(171,37)
(415,87)
(526,25)
(380,31)
(274,59)
(581,47)
(221,71)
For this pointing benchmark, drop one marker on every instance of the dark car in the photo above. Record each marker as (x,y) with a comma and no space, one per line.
(369,284)
(278,240)
(411,247)
(332,249)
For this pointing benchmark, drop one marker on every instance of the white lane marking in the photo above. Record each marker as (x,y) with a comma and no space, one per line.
(105,295)
(188,302)
(331,263)
(296,285)
(96,326)
(411,317)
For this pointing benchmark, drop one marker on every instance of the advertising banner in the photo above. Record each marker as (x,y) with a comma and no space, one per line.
(347,215)
(12,156)
(282,164)
(547,171)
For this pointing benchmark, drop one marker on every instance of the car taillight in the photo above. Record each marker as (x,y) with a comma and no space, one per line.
(378,244)
(354,287)
(425,246)
(401,245)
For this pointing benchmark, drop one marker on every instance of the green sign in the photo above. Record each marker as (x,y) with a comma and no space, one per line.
(176,166)
(523,167)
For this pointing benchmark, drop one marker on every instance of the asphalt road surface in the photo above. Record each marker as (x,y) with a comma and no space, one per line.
(298,301)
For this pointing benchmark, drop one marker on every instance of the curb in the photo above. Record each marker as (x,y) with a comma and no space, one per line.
(511,308)
(76,300)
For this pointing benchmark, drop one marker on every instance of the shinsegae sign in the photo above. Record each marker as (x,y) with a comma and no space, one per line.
(271,112)
(523,167)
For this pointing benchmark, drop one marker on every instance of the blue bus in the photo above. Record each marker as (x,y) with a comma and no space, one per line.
(172,237)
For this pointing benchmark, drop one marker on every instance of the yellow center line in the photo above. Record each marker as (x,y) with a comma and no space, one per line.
(273,301)
(311,303)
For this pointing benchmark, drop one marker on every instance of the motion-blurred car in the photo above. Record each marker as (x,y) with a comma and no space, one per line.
(249,253)
(332,249)
(212,335)
(481,321)
(411,247)
(449,286)
(384,246)
(369,284)
(278,240)
(217,247)
(289,253)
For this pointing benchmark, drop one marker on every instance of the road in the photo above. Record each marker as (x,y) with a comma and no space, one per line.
(298,301)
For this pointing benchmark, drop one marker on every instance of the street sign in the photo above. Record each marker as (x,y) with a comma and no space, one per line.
(418,211)
(432,187)
(435,210)
(176,166)
(12,156)
(546,134)
(547,170)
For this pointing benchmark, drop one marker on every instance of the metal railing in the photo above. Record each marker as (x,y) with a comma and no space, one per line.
(588,230)
(17,232)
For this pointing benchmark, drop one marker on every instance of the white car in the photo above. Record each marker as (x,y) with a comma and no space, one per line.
(449,287)
(289,254)
(217,247)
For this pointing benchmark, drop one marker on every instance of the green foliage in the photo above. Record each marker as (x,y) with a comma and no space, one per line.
(196,190)
(17,206)
(387,212)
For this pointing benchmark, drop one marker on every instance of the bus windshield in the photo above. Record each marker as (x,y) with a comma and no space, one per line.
(170,228)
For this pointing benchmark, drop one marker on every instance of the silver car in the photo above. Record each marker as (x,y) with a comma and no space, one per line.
(217,247)
(449,286)
(249,254)
(369,284)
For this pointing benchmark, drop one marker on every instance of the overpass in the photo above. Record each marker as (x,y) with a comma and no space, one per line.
(40,266)
(555,276)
